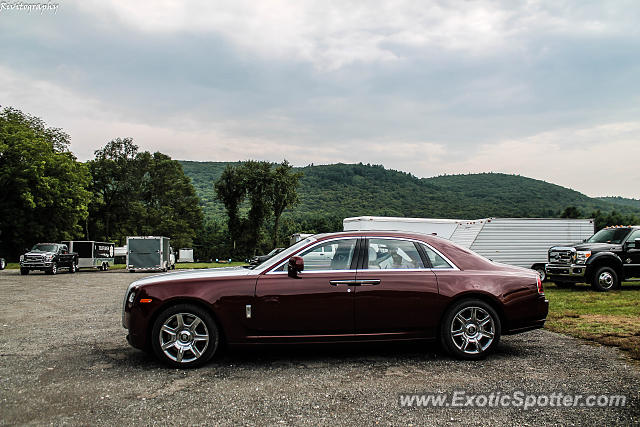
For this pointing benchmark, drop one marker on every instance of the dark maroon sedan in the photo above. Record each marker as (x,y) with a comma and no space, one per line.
(352,286)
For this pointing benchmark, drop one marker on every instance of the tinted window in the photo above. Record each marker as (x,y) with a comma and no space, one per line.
(436,260)
(393,254)
(331,255)
(632,238)
(609,235)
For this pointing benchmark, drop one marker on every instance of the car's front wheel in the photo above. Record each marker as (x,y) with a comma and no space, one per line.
(470,329)
(184,336)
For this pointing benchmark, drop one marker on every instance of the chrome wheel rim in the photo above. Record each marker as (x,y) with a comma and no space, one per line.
(472,330)
(54,268)
(605,279)
(184,337)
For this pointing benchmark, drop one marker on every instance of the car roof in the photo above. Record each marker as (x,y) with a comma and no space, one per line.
(379,233)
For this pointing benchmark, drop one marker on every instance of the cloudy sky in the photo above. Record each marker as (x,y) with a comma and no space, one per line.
(549,90)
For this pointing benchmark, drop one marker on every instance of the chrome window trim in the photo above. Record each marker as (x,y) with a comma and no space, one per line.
(452,266)
(310,248)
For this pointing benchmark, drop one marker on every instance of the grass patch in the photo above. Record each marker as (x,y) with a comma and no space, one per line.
(610,318)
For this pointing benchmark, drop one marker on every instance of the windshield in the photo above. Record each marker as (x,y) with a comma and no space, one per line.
(285,253)
(43,248)
(609,235)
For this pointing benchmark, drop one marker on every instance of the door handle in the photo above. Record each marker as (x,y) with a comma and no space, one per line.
(362,282)
(343,282)
(368,282)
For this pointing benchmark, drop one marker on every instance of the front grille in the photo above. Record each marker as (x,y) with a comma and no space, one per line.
(34,258)
(561,256)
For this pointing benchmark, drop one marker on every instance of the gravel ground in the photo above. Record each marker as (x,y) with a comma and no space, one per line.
(64,360)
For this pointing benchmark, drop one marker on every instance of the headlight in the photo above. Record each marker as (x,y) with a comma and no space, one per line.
(582,257)
(48,257)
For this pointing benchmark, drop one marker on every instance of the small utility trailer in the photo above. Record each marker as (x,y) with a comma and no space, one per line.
(146,253)
(523,242)
(92,254)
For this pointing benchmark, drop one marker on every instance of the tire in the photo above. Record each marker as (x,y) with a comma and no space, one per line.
(73,268)
(564,285)
(53,269)
(105,266)
(470,329)
(605,279)
(181,349)
(541,272)
(24,271)
(3,264)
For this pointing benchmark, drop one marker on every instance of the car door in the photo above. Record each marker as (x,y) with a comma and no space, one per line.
(631,258)
(397,293)
(316,304)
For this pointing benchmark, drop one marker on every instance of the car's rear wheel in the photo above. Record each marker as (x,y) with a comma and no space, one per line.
(184,336)
(73,268)
(605,280)
(470,329)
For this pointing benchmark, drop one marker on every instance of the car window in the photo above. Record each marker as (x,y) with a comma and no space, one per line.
(436,260)
(386,254)
(331,255)
(635,235)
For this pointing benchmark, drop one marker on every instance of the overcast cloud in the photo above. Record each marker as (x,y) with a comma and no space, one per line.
(548,90)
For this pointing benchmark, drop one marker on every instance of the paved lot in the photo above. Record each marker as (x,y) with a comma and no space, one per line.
(64,360)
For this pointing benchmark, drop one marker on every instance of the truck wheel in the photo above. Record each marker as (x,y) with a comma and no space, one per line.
(24,271)
(72,268)
(541,272)
(53,269)
(3,264)
(105,266)
(605,280)
(184,336)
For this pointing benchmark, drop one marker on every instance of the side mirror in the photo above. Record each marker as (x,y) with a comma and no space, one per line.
(296,265)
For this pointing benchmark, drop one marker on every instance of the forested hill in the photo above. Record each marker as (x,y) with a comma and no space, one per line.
(343,190)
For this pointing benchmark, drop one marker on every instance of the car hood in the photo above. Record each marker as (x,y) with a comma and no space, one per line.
(40,253)
(596,247)
(204,273)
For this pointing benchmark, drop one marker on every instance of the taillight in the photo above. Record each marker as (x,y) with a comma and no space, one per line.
(540,290)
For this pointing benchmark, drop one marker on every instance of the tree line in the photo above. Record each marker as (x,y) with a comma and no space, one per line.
(46,194)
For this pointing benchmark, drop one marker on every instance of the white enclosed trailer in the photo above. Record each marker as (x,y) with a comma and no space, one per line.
(523,242)
(185,255)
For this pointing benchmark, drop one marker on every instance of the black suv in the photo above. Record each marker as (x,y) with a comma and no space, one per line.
(603,260)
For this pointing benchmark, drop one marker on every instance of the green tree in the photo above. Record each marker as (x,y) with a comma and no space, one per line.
(139,193)
(257,180)
(284,194)
(43,194)
(230,191)
(115,182)
(171,205)
(571,212)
